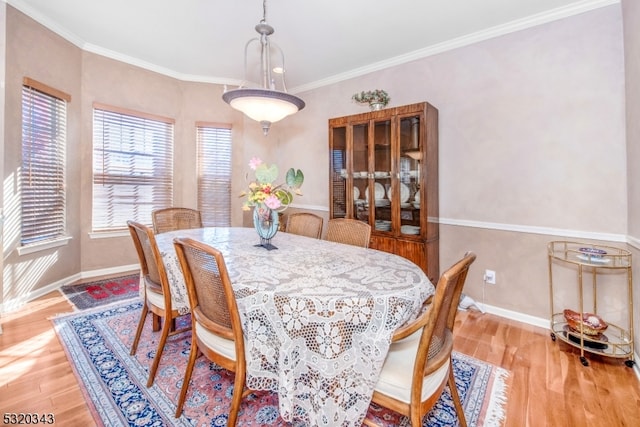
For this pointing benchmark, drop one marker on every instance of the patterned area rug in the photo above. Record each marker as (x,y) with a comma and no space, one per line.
(102,292)
(97,343)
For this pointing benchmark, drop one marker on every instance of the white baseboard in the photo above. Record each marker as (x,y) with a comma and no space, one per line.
(540,322)
(514,315)
(16,303)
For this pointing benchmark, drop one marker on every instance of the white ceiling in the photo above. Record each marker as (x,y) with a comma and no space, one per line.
(323,40)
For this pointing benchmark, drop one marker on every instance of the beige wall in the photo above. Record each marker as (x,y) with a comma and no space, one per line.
(47,58)
(531,124)
(532,144)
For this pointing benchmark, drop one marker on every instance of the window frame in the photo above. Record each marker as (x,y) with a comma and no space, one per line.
(133,155)
(44,138)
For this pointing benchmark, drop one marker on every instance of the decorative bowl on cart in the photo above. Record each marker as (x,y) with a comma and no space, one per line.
(592,324)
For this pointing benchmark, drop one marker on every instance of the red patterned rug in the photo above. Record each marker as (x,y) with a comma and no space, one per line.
(97,344)
(102,292)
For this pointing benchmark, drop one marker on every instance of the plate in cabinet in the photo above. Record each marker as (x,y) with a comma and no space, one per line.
(405,193)
(378,192)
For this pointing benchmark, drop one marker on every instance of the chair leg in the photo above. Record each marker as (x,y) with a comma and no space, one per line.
(462,421)
(143,316)
(155,322)
(166,325)
(193,355)
(416,419)
(236,399)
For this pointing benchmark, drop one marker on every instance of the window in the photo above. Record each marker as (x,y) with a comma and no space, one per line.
(42,177)
(214,174)
(132,166)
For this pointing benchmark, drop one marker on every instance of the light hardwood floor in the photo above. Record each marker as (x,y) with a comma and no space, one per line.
(548,385)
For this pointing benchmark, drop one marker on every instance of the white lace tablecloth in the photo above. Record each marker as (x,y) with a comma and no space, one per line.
(317,316)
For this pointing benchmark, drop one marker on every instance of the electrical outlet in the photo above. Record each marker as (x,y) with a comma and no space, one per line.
(490,277)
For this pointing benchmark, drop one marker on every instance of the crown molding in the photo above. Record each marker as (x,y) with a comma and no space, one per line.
(510,27)
(500,30)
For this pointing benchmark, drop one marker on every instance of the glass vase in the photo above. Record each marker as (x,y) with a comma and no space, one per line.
(266,223)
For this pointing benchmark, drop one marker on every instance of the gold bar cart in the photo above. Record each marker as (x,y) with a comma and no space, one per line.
(591,260)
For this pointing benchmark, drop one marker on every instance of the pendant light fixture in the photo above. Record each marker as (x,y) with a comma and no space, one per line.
(265,104)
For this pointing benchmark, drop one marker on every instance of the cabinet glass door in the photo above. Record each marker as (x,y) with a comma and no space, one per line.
(410,180)
(339,172)
(382,178)
(360,171)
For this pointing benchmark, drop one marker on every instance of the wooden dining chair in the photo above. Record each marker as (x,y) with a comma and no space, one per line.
(217,331)
(349,231)
(157,293)
(419,365)
(305,224)
(170,219)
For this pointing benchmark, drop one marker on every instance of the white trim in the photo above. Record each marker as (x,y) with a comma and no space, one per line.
(16,303)
(510,27)
(633,241)
(514,315)
(49,244)
(516,228)
(310,207)
(578,234)
(110,271)
(25,8)
(489,33)
(109,234)
(158,69)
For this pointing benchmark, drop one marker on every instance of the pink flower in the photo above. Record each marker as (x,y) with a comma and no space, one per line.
(272,202)
(255,162)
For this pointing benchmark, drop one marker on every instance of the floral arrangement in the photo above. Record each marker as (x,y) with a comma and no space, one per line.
(263,193)
(377,96)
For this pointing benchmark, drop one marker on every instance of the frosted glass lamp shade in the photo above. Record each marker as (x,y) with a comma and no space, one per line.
(263,105)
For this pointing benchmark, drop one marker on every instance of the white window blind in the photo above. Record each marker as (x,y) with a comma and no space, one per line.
(42,177)
(132,166)
(214,174)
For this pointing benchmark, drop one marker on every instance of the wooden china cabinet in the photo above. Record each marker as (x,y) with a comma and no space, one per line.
(384,171)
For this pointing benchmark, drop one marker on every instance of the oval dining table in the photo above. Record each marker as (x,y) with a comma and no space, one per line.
(317,316)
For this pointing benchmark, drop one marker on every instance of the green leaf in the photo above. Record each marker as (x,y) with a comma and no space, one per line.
(295,178)
(266,174)
(285,197)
